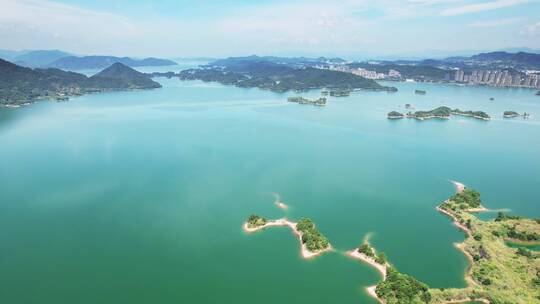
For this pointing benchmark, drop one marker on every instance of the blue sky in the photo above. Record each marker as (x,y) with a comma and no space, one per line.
(350,28)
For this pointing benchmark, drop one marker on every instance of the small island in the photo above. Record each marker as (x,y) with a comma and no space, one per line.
(442,112)
(510,114)
(420,92)
(300,100)
(498,273)
(312,241)
(395,115)
(513,114)
(340,93)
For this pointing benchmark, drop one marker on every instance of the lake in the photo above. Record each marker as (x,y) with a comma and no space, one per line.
(139,197)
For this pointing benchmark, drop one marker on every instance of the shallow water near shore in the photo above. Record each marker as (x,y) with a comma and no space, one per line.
(139,197)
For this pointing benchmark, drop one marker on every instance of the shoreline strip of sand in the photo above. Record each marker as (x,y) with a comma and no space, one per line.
(371,290)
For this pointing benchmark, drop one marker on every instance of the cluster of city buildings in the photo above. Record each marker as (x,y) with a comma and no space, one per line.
(500,78)
(393,74)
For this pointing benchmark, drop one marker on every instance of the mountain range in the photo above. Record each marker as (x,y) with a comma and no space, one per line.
(63,60)
(19,85)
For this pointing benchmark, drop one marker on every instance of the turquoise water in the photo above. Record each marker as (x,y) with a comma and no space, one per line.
(139,197)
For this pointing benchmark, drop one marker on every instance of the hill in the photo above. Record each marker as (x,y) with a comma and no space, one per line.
(100,62)
(20,85)
(121,76)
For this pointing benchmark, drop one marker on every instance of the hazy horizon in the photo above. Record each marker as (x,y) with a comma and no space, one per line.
(350,29)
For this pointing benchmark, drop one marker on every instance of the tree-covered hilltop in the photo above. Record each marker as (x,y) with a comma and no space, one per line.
(120,76)
(278,77)
(440,112)
(399,288)
(20,85)
(367,250)
(464,200)
(311,236)
(255,221)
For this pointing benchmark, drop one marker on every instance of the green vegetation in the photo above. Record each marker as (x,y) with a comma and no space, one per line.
(475,114)
(499,273)
(340,93)
(394,115)
(510,114)
(313,239)
(501,216)
(301,100)
(381,258)
(19,85)
(400,288)
(440,112)
(467,199)
(256,221)
(445,112)
(366,249)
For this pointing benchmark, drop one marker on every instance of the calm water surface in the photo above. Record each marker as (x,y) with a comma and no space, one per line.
(139,197)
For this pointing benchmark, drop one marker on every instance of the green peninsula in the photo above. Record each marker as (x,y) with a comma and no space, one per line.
(498,273)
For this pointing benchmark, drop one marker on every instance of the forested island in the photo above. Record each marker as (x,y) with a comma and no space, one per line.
(510,114)
(312,241)
(440,112)
(21,85)
(300,100)
(258,72)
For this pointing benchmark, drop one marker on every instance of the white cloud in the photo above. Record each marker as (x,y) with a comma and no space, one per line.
(479,7)
(532,30)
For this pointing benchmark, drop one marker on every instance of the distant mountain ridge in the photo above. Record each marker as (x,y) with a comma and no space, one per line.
(62,60)
(99,62)
(20,85)
(40,58)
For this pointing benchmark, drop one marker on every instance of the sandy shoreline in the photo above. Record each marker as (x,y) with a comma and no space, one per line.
(371,261)
(371,290)
(306,254)
(454,220)
(459,186)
